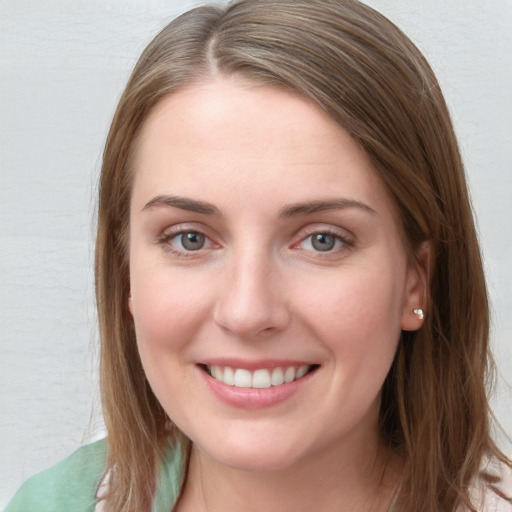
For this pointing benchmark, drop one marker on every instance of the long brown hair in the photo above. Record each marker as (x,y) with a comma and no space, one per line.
(369,77)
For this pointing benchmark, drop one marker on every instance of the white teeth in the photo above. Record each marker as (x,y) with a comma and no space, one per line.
(301,371)
(277,377)
(229,376)
(289,374)
(262,378)
(243,378)
(216,372)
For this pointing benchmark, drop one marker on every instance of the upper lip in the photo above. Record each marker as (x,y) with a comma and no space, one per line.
(252,365)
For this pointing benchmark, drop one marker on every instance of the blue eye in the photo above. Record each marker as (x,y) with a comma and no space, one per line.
(323,242)
(186,241)
(192,241)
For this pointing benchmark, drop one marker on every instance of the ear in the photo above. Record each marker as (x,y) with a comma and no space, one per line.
(416,289)
(130,305)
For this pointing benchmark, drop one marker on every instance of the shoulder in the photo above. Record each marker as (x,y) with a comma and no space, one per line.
(69,485)
(171,475)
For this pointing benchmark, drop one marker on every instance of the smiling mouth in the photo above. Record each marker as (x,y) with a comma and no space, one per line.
(259,379)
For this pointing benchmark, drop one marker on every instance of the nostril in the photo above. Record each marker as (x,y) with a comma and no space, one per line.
(250,323)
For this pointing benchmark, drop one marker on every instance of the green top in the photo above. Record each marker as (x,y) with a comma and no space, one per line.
(72,484)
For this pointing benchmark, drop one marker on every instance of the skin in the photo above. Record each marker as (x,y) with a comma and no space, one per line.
(260,291)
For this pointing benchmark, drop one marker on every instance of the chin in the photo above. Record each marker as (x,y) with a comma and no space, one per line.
(253,456)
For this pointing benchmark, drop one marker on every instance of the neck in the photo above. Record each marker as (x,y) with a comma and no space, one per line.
(359,475)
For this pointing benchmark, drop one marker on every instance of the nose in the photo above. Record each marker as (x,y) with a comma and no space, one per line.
(252,298)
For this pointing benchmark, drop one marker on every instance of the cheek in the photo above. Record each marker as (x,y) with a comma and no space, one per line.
(166,320)
(358,319)
(167,313)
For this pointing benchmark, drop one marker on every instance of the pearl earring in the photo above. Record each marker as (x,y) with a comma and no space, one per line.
(419,312)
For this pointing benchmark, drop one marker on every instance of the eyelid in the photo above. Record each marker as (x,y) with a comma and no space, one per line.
(347,238)
(330,229)
(173,231)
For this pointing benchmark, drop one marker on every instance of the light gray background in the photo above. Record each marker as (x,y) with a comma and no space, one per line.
(63,64)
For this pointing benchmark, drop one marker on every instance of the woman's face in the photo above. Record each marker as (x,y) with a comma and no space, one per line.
(269,283)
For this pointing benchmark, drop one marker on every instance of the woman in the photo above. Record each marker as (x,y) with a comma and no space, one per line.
(283,251)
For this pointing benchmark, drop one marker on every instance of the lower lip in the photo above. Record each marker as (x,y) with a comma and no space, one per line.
(254,398)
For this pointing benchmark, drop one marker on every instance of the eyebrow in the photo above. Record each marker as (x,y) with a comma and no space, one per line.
(293,210)
(183,203)
(311,207)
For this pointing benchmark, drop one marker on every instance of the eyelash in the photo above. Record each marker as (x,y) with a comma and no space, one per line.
(165,239)
(346,242)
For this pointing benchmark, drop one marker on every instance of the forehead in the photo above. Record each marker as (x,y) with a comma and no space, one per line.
(228,133)
(240,109)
